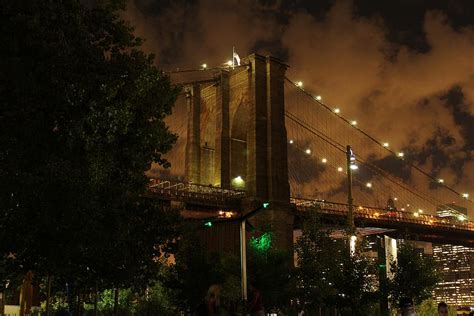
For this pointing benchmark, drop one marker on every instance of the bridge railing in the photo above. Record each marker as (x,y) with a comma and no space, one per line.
(191,192)
(373,213)
(198,193)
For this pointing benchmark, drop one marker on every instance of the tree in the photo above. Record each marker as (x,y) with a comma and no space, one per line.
(328,275)
(429,307)
(194,271)
(270,271)
(415,275)
(81,119)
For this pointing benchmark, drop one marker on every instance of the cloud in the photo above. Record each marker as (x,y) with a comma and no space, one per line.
(186,34)
(395,93)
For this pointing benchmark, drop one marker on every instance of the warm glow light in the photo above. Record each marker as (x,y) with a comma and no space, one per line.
(408,205)
(354,123)
(319,98)
(400,154)
(229,63)
(465,195)
(291,141)
(354,167)
(416,214)
(403,208)
(395,199)
(204,66)
(324,160)
(339,169)
(420,210)
(238,181)
(440,180)
(369,185)
(385,145)
(461,218)
(299,84)
(308,151)
(376,214)
(337,110)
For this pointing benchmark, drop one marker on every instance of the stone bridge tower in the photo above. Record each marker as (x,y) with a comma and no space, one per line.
(237,139)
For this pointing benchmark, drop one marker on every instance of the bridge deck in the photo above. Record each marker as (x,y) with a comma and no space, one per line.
(209,196)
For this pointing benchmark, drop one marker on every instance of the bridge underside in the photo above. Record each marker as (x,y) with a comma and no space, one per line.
(200,206)
(397,230)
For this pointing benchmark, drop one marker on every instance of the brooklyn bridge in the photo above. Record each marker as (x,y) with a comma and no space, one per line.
(249,135)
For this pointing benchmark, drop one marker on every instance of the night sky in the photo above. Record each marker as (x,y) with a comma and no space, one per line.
(403,69)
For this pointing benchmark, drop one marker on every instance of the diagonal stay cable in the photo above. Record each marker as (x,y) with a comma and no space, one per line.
(425,173)
(341,148)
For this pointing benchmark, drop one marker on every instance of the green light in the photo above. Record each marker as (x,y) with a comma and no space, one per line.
(381,266)
(262,243)
(266,205)
(208,224)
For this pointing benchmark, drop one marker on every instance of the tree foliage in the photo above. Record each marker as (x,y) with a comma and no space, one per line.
(415,275)
(196,268)
(329,276)
(271,272)
(81,119)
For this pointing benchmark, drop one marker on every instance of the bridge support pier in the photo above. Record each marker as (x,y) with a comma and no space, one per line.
(237,138)
(193,145)
(267,158)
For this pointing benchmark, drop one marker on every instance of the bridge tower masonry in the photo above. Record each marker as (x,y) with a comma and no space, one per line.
(237,139)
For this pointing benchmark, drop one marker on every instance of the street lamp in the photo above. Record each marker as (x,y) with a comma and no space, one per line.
(243,247)
(351,165)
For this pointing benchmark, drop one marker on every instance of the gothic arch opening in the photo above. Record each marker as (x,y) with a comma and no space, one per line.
(238,145)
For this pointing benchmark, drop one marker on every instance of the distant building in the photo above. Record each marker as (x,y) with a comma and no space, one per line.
(457,272)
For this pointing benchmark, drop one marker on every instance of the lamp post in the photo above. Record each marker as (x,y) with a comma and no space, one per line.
(351,230)
(350,160)
(243,260)
(243,247)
